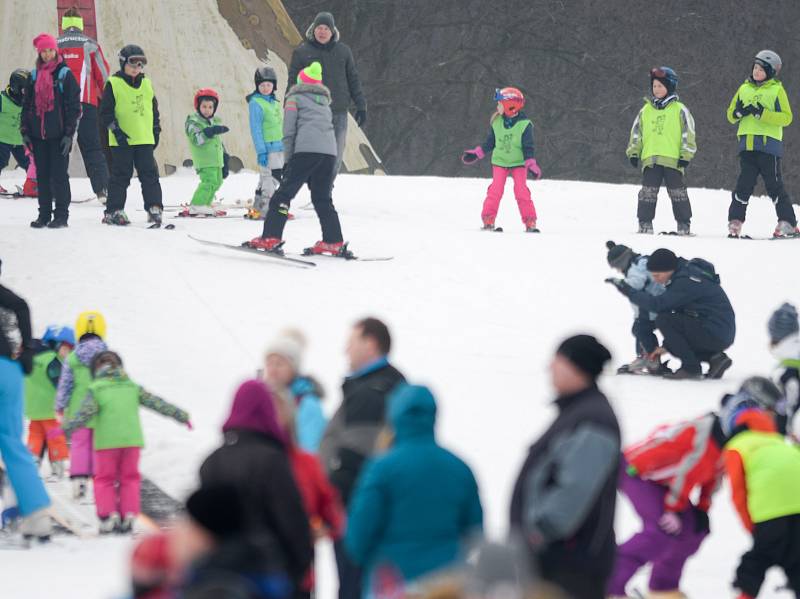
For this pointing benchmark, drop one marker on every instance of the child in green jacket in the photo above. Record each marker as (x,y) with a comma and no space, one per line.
(662,144)
(202,130)
(761,109)
(113,401)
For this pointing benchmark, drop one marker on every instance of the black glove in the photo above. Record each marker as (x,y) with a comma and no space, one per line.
(683,163)
(121,136)
(740,111)
(701,523)
(634,161)
(469,157)
(26,359)
(361,117)
(65,146)
(620,284)
(215,130)
(277,174)
(756,110)
(156,137)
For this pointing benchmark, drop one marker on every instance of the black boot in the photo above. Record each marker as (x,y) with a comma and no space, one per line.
(59,222)
(682,374)
(41,222)
(718,364)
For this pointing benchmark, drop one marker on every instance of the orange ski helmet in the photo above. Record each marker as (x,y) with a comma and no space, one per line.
(206,93)
(511,99)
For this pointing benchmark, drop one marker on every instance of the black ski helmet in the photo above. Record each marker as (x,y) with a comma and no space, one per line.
(266,74)
(763,391)
(18,82)
(129,53)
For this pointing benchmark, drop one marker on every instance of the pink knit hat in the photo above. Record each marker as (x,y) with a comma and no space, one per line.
(312,74)
(45,41)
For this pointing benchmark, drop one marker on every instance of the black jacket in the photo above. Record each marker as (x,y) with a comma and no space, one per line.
(352,432)
(108,104)
(566,492)
(258,467)
(339,73)
(14,304)
(60,122)
(694,289)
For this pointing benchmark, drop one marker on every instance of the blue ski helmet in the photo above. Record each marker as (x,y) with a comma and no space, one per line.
(55,335)
(666,76)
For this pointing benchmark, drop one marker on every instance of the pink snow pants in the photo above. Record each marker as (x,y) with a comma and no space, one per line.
(31,172)
(495,192)
(81,449)
(117,481)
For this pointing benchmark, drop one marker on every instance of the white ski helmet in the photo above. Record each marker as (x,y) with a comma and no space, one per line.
(770,62)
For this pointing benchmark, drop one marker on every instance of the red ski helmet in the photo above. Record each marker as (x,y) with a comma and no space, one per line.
(511,99)
(206,93)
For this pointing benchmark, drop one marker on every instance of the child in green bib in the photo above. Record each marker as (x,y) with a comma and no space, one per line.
(662,143)
(10,115)
(113,402)
(511,143)
(784,345)
(203,129)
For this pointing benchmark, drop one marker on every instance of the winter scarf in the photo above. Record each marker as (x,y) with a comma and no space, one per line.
(45,99)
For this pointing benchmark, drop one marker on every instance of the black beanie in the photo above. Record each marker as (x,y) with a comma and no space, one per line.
(324,18)
(619,256)
(218,509)
(585,352)
(662,260)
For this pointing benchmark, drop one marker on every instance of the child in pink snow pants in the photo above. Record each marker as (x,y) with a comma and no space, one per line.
(511,143)
(113,402)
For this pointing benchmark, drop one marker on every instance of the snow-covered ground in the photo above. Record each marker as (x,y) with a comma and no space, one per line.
(476,315)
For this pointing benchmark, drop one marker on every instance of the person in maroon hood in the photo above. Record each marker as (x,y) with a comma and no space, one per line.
(50,113)
(254,460)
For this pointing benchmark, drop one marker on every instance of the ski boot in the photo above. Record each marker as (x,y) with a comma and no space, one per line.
(488,225)
(785,230)
(735,229)
(79,488)
(37,525)
(530,227)
(684,229)
(110,523)
(58,223)
(30,189)
(155,215)
(273,245)
(645,228)
(41,222)
(116,217)
(338,249)
(717,365)
(57,470)
(642,365)
(126,525)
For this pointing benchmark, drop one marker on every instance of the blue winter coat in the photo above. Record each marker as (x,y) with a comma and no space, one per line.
(695,290)
(641,279)
(414,507)
(310,421)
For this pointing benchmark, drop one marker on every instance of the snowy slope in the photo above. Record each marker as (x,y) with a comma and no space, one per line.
(474,314)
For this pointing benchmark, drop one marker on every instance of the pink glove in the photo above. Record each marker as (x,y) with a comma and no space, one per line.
(472,156)
(533,167)
(55,432)
(189,425)
(670,523)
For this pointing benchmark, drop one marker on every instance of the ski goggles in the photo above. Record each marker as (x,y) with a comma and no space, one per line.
(658,73)
(500,95)
(137,61)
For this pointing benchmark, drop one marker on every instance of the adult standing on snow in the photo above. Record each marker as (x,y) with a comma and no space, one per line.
(339,74)
(28,487)
(565,496)
(694,313)
(89,67)
(353,431)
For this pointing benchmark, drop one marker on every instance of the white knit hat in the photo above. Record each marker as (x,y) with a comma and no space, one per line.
(290,343)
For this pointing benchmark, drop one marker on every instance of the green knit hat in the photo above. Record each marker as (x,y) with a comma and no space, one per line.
(311,74)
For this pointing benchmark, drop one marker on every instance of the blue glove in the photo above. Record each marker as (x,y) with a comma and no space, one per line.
(262,159)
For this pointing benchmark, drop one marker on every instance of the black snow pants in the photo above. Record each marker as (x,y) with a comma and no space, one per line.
(652,176)
(751,165)
(92,152)
(53,178)
(317,170)
(775,543)
(685,337)
(7,150)
(124,158)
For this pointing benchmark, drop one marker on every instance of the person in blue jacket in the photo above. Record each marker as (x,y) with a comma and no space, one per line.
(695,315)
(415,507)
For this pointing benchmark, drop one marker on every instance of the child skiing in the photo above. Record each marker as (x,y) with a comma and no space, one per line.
(761,109)
(511,143)
(40,398)
(73,385)
(634,267)
(50,113)
(203,129)
(129,111)
(266,129)
(765,484)
(784,335)
(662,143)
(310,150)
(113,401)
(10,120)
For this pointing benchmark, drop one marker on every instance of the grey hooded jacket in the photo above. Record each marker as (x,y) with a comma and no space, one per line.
(308,121)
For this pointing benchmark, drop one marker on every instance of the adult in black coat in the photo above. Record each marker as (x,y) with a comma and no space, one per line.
(339,74)
(50,116)
(695,315)
(351,435)
(253,460)
(565,496)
